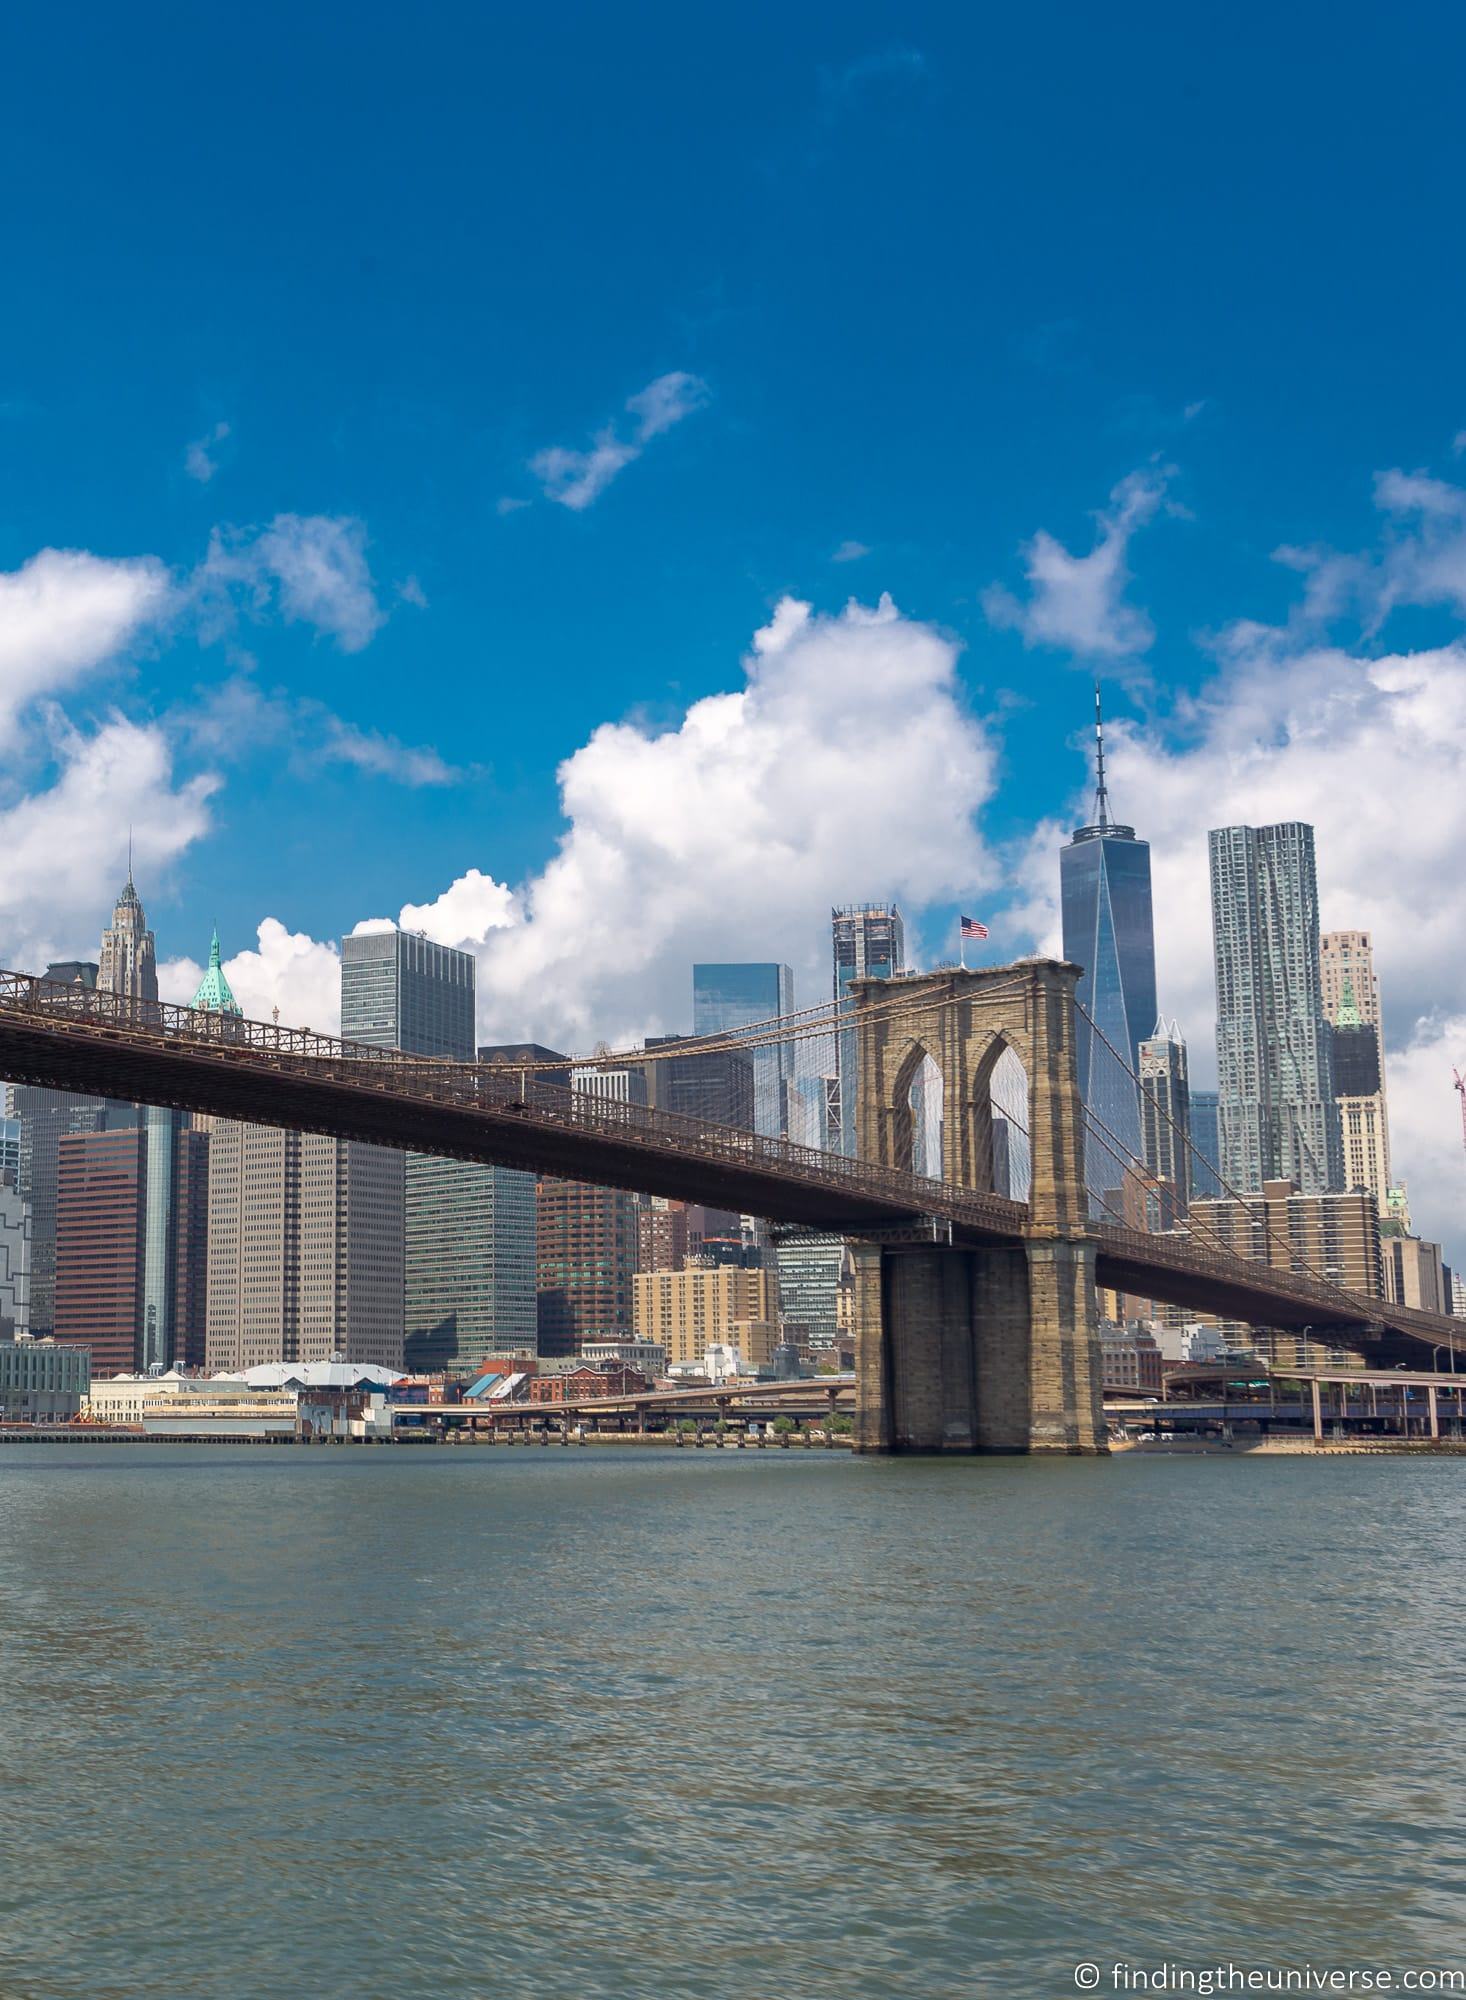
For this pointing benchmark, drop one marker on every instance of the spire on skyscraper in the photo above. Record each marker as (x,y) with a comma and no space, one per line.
(1101,794)
(128,963)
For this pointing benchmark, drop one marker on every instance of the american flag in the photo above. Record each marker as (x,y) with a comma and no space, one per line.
(971,928)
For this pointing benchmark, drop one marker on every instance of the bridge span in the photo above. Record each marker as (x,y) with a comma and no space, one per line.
(947,1254)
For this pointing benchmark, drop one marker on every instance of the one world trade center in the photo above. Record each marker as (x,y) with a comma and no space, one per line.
(1104,878)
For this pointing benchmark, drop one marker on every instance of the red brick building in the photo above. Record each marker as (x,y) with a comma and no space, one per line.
(577,1382)
(585,1258)
(99,1246)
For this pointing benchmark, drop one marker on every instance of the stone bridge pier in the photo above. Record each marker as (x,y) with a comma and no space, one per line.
(969,1347)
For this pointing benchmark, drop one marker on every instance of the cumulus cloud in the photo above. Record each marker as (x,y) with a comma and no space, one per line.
(64,614)
(1077,603)
(288,970)
(574,479)
(312,568)
(845,765)
(65,845)
(198,461)
(1372,754)
(465,913)
(850,551)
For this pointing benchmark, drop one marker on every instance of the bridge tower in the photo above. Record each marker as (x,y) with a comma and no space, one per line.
(970,1347)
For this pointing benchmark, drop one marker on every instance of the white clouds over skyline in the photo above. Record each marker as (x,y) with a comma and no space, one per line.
(731,834)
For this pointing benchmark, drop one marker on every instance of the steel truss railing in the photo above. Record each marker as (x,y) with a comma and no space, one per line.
(501,1088)
(505,1088)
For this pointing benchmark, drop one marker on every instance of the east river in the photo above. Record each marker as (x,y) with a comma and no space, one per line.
(414,1725)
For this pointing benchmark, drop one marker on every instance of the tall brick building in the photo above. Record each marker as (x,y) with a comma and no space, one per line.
(131,1246)
(585,1257)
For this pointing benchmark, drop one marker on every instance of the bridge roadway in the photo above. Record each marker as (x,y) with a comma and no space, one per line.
(67,1038)
(815,1396)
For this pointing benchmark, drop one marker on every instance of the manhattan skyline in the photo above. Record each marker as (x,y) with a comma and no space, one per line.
(484,610)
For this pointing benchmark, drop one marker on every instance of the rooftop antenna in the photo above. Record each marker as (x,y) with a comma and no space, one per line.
(1101,795)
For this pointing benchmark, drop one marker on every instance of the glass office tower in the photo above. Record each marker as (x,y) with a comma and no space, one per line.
(470,1229)
(1279,1119)
(1104,881)
(402,991)
(727,997)
(869,942)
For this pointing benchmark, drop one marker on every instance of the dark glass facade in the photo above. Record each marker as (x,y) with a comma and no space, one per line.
(728,997)
(1206,1147)
(868,942)
(716,1086)
(1104,879)
(1356,1061)
(402,991)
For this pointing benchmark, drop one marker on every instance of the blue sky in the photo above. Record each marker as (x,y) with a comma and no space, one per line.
(919,284)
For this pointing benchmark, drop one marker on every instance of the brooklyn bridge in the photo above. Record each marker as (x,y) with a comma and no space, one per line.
(975,1313)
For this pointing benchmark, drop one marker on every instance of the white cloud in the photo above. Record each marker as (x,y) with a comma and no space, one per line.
(575,478)
(197,462)
(64,614)
(846,766)
(313,567)
(238,717)
(288,970)
(849,551)
(465,913)
(1077,602)
(1372,754)
(666,402)
(65,846)
(383,756)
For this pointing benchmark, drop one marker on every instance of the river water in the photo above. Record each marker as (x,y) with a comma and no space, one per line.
(415,1725)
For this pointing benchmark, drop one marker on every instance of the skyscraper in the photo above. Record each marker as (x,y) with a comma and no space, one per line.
(1206,1156)
(170,1304)
(869,942)
(715,1085)
(400,990)
(305,1248)
(1104,886)
(585,1263)
(130,1244)
(1352,1008)
(727,997)
(1165,1120)
(45,1118)
(128,964)
(99,1246)
(1277,1116)
(469,1228)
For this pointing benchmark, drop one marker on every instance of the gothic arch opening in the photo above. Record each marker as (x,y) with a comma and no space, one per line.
(917,1115)
(1002,1120)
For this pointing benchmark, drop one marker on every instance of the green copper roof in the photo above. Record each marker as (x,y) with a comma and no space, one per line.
(1349,1015)
(215,995)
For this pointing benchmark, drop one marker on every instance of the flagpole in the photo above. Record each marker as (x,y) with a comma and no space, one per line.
(961,946)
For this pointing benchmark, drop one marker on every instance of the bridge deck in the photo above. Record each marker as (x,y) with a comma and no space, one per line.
(68,1038)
